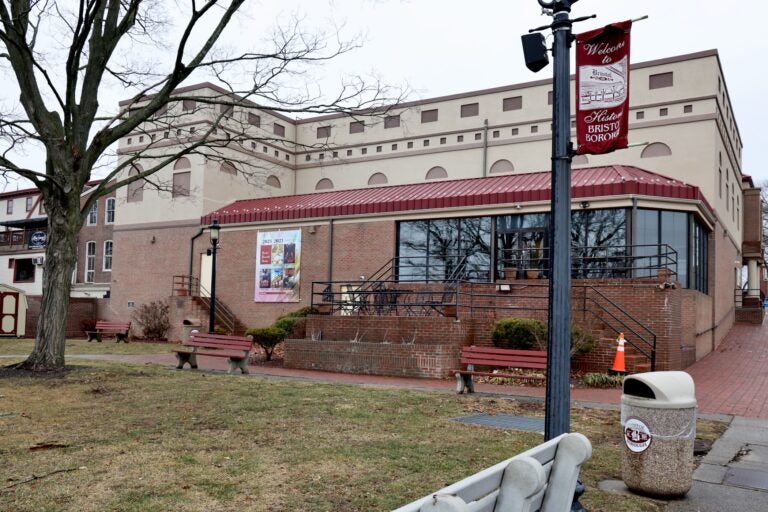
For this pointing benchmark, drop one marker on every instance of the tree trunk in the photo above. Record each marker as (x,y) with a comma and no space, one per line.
(60,257)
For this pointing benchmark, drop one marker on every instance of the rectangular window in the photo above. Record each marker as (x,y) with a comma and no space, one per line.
(459,138)
(364,151)
(23,270)
(550,97)
(90,261)
(9,207)
(187,105)
(640,114)
(470,110)
(687,109)
(534,129)
(443,140)
(254,120)
(394,147)
(356,127)
(29,203)
(392,122)
(180,184)
(92,214)
(410,145)
(663,112)
(515,131)
(110,214)
(513,103)
(660,80)
(478,136)
(496,134)
(429,116)
(107,259)
(720,182)
(323,132)
(425,143)
(226,110)
(349,152)
(335,154)
(378,149)
(279,130)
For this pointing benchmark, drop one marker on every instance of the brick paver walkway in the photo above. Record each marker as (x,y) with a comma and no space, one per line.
(734,378)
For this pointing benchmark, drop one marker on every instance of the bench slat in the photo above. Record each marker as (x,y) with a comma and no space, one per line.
(503,351)
(505,364)
(503,375)
(216,353)
(237,345)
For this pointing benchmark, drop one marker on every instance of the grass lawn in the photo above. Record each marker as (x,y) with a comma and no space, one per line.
(103,436)
(108,346)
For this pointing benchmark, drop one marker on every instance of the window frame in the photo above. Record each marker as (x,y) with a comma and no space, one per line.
(107,255)
(109,210)
(89,269)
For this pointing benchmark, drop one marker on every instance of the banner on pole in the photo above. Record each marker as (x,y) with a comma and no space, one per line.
(602,89)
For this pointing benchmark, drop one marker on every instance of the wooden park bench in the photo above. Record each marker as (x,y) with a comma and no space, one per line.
(235,348)
(542,478)
(499,358)
(119,329)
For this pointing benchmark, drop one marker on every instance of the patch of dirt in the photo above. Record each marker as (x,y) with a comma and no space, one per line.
(18,371)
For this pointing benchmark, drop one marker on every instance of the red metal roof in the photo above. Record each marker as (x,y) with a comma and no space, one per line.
(614,180)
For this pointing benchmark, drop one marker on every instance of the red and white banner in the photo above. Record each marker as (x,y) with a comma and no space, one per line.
(602,89)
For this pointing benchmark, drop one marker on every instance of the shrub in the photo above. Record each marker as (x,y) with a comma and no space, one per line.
(267,338)
(520,333)
(530,334)
(582,342)
(602,380)
(154,319)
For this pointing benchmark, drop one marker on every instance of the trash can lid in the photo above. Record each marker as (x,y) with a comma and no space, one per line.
(663,390)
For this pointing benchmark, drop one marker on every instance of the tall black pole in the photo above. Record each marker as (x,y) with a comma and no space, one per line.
(214,230)
(212,316)
(557,420)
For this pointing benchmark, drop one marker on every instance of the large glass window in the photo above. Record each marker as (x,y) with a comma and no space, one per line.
(521,244)
(432,250)
(598,242)
(92,214)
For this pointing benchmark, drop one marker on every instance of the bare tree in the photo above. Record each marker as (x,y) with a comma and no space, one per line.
(63,54)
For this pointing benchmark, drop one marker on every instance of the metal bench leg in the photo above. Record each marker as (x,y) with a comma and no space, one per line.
(181,360)
(241,363)
(121,337)
(470,383)
(460,386)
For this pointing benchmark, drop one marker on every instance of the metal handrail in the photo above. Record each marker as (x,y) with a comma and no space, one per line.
(644,342)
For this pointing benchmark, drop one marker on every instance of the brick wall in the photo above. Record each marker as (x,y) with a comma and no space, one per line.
(79,310)
(394,346)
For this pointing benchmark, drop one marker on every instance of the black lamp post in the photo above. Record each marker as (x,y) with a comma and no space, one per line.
(214,229)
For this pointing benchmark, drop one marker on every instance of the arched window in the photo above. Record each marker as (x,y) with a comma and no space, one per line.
(228,168)
(580,160)
(90,261)
(106,264)
(378,178)
(135,188)
(324,184)
(274,181)
(182,163)
(502,165)
(436,173)
(655,149)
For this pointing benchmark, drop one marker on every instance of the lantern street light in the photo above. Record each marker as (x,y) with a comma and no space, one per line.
(214,229)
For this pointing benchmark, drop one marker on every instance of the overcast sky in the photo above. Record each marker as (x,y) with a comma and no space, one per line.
(440,47)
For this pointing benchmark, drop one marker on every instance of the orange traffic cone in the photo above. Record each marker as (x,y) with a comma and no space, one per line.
(618,360)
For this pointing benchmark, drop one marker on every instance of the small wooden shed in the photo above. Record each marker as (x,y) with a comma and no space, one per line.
(13,311)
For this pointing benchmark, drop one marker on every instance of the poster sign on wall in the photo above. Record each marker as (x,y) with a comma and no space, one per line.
(278,263)
(602,89)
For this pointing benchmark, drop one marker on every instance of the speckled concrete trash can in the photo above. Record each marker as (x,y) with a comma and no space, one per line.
(658,419)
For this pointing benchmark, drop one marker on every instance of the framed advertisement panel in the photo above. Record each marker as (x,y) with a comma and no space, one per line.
(278,266)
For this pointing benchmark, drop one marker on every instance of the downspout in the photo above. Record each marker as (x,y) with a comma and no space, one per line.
(485,148)
(330,251)
(191,259)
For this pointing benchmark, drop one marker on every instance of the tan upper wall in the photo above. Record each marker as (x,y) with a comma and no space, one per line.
(692,117)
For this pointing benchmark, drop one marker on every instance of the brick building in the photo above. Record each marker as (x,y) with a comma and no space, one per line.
(359,194)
